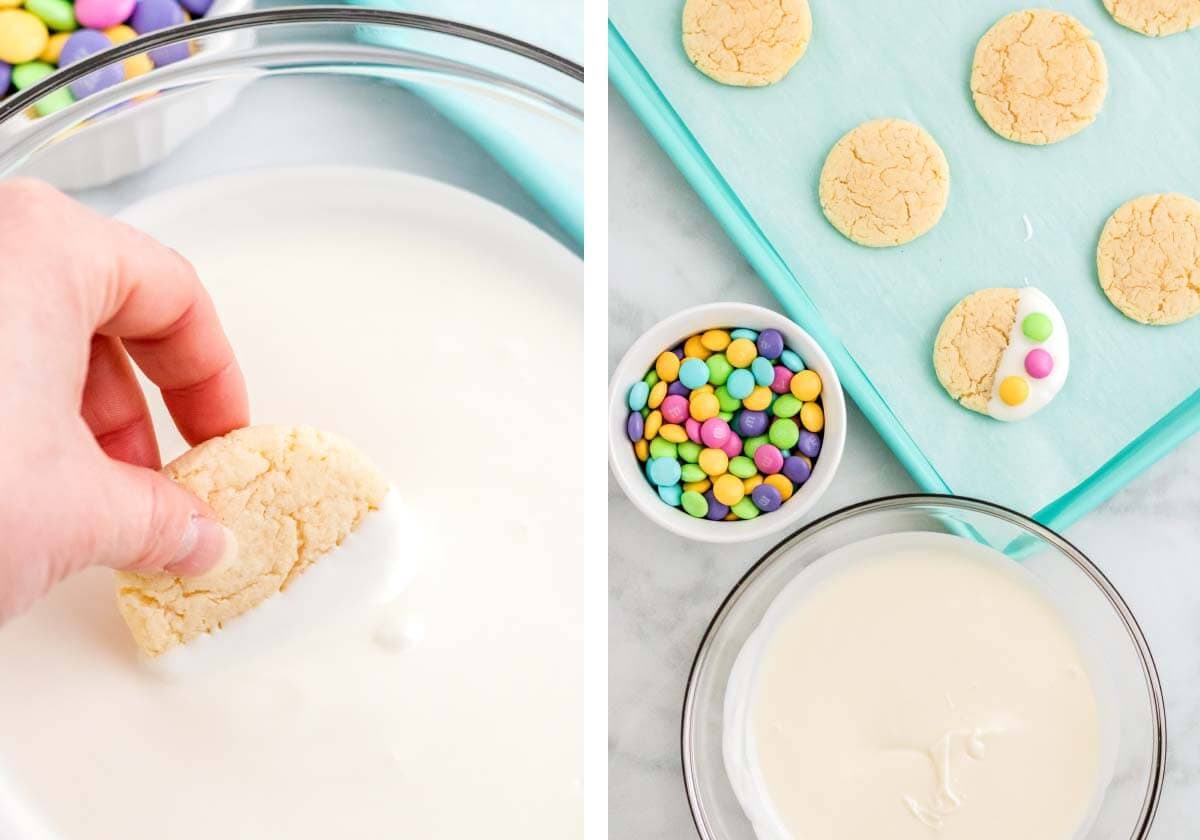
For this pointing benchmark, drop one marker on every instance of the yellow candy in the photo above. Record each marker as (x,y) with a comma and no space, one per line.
(703,389)
(54,45)
(120,33)
(748,484)
(653,424)
(781,483)
(730,517)
(741,352)
(695,348)
(715,462)
(703,405)
(673,432)
(10,4)
(697,486)
(667,366)
(759,399)
(715,340)
(728,490)
(657,394)
(806,385)
(642,450)
(812,417)
(138,65)
(1014,390)
(22,36)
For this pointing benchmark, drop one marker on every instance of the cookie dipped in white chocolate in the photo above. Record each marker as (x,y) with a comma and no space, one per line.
(1034,366)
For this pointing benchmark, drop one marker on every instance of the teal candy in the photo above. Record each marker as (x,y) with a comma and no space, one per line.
(726,400)
(695,504)
(672,494)
(784,433)
(742,467)
(639,392)
(742,332)
(662,448)
(718,369)
(693,373)
(763,370)
(692,472)
(791,361)
(663,471)
(689,451)
(740,384)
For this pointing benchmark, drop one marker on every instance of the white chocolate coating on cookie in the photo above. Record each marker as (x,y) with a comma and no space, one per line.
(1012,362)
(746,43)
(1155,17)
(1038,77)
(884,183)
(1148,258)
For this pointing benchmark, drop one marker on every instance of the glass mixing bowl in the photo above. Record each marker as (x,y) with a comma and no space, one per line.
(1088,602)
(318,85)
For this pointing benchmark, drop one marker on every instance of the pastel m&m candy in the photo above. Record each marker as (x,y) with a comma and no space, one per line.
(79,46)
(763,372)
(1038,363)
(23,36)
(693,373)
(1014,390)
(806,385)
(674,409)
(741,352)
(768,458)
(714,432)
(102,14)
(740,384)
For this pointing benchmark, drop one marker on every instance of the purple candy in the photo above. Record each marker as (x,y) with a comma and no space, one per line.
(678,351)
(635,426)
(797,468)
(766,498)
(5,77)
(162,56)
(79,46)
(677,389)
(198,7)
(152,15)
(752,423)
(716,510)
(809,443)
(770,344)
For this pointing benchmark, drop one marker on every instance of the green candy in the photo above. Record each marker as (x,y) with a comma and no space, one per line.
(645,413)
(651,378)
(725,415)
(695,504)
(745,509)
(786,406)
(692,472)
(1036,326)
(742,467)
(689,451)
(718,369)
(30,73)
(55,101)
(784,433)
(727,402)
(662,448)
(57,14)
(750,445)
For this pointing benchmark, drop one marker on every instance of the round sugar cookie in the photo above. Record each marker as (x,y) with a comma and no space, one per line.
(1003,352)
(1148,258)
(1155,17)
(1038,77)
(289,494)
(885,183)
(746,43)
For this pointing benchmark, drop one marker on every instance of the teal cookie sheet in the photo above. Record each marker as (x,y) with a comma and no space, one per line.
(1132,389)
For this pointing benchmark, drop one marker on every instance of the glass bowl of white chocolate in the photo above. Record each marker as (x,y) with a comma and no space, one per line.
(921,665)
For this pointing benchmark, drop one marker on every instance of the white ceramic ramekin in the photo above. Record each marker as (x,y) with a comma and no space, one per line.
(668,333)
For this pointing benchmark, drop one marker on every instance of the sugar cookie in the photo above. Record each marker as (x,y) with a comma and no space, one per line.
(1155,17)
(289,495)
(1148,258)
(885,182)
(1038,77)
(746,43)
(1003,352)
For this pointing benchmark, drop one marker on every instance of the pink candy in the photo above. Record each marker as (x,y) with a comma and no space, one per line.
(715,432)
(692,427)
(1039,363)
(768,459)
(674,409)
(733,446)
(783,380)
(101,14)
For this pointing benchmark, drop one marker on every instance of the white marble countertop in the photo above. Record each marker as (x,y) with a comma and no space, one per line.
(665,253)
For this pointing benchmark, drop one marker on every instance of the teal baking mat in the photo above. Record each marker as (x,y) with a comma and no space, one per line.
(754,156)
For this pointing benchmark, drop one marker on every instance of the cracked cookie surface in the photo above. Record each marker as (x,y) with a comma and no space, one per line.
(747,43)
(1038,77)
(971,343)
(885,183)
(1155,17)
(1148,258)
(289,494)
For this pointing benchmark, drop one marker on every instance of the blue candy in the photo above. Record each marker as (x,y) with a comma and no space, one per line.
(740,384)
(672,494)
(742,332)
(639,392)
(664,472)
(791,361)
(763,370)
(693,373)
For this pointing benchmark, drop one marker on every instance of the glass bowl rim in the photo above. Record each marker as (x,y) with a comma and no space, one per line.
(20,101)
(1154,788)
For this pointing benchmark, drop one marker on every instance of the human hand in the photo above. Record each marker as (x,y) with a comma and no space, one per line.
(80,296)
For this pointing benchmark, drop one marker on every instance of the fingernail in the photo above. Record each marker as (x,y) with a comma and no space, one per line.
(206,549)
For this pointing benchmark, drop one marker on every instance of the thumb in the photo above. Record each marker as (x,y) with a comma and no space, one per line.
(153,524)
